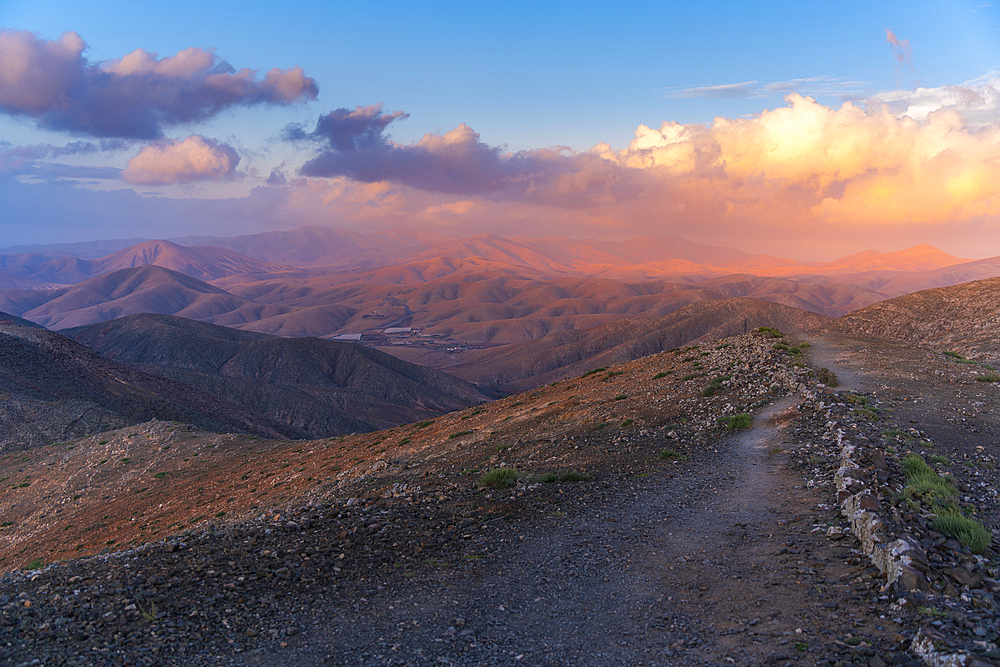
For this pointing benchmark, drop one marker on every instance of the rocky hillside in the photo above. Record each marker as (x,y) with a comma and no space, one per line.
(963,318)
(557,355)
(318,388)
(56,389)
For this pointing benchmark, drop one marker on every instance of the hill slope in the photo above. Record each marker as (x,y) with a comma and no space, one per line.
(55,389)
(317,387)
(534,363)
(962,317)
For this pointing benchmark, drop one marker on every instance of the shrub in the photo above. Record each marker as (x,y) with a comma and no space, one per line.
(671,455)
(740,421)
(659,375)
(594,371)
(989,377)
(827,377)
(627,422)
(914,466)
(771,332)
(500,478)
(458,434)
(968,531)
(35,564)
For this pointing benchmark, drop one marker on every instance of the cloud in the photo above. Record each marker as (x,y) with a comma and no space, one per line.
(901,48)
(135,96)
(355,145)
(816,85)
(978,101)
(32,159)
(197,158)
(801,169)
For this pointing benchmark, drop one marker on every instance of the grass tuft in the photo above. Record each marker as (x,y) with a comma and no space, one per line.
(500,478)
(968,531)
(738,422)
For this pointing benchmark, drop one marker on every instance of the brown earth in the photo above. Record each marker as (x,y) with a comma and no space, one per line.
(721,557)
(962,318)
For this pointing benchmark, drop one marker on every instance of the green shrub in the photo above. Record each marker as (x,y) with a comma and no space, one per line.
(989,377)
(914,466)
(594,371)
(500,478)
(671,455)
(458,434)
(770,331)
(659,375)
(968,531)
(35,564)
(740,421)
(627,422)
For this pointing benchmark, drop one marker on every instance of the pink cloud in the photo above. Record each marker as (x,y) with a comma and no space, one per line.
(355,145)
(135,96)
(196,158)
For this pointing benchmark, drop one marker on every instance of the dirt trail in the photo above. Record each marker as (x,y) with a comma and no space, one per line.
(717,564)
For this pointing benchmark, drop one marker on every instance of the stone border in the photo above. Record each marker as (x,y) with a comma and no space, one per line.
(894,559)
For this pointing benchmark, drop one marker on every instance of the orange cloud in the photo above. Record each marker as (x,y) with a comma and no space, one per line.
(196,158)
(804,170)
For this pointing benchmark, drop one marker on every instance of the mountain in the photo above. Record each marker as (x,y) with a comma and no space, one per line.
(203,263)
(55,389)
(527,365)
(963,318)
(317,387)
(126,291)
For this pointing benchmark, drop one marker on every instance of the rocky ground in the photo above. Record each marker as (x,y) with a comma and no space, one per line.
(691,543)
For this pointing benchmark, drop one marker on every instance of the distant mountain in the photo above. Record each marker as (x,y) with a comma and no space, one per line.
(962,318)
(55,388)
(123,292)
(317,387)
(203,263)
(481,308)
(527,365)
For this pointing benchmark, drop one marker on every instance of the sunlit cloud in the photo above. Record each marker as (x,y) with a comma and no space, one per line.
(196,158)
(802,166)
(978,101)
(135,96)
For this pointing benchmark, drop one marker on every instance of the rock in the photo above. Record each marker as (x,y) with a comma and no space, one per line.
(910,579)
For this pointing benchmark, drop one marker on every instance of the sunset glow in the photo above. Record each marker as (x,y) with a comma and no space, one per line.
(813,163)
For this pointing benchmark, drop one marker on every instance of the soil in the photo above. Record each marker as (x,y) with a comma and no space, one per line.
(730,550)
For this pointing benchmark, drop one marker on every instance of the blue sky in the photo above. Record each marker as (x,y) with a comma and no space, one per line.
(530,74)
(522,75)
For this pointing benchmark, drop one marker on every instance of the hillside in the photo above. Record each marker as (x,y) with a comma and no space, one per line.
(553,357)
(962,318)
(318,388)
(57,389)
(151,289)
(645,494)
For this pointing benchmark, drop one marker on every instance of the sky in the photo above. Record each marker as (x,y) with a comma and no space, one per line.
(807,130)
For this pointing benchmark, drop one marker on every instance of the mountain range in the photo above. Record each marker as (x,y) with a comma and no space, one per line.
(481,291)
